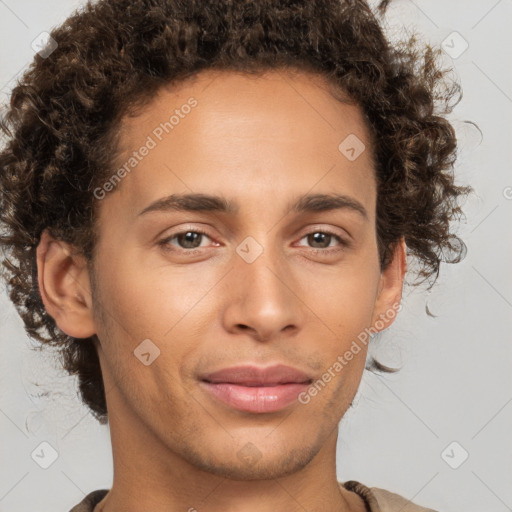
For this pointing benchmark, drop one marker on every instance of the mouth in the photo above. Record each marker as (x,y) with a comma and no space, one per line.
(256,390)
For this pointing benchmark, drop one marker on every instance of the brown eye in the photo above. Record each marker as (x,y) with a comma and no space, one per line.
(322,240)
(190,239)
(318,240)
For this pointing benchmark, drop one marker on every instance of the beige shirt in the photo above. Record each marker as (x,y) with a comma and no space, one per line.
(380,500)
(377,500)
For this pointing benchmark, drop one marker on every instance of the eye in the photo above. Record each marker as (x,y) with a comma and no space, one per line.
(321,239)
(190,239)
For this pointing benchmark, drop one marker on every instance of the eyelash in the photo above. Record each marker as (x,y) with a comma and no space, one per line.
(343,244)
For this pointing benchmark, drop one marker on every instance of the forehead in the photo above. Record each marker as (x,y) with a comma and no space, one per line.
(282,101)
(222,131)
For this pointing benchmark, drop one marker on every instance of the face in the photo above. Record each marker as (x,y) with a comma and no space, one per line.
(186,288)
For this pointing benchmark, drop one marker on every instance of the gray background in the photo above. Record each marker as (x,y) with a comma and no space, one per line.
(456,384)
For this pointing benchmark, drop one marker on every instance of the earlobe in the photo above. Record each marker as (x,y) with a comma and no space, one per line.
(390,288)
(64,286)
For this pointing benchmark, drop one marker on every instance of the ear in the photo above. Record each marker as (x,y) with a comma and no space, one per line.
(64,285)
(391,283)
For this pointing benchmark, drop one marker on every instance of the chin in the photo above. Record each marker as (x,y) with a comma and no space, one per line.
(251,463)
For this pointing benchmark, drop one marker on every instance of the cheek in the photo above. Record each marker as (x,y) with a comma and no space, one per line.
(345,298)
(155,303)
(344,305)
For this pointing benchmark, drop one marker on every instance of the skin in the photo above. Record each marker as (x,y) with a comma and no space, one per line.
(261,142)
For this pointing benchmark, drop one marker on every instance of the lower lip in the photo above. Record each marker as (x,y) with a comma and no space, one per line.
(256,399)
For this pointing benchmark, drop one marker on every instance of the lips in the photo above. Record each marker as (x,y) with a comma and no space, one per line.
(253,376)
(256,390)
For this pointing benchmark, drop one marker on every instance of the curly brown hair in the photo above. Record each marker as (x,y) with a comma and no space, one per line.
(112,57)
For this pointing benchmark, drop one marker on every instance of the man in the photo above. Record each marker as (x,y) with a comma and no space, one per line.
(208,205)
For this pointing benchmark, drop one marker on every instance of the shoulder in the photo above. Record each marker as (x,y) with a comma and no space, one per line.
(380,500)
(391,501)
(90,501)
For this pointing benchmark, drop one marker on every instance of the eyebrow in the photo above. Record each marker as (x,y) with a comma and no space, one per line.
(213,203)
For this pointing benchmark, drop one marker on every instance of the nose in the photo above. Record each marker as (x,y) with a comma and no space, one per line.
(262,297)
